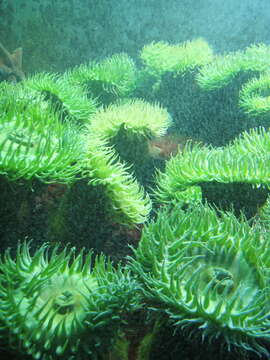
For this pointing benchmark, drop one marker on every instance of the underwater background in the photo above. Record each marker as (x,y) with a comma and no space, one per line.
(134,179)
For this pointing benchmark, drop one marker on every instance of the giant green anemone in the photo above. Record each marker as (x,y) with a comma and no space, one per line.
(245,160)
(221,71)
(59,304)
(34,142)
(70,100)
(109,79)
(206,272)
(161,57)
(138,118)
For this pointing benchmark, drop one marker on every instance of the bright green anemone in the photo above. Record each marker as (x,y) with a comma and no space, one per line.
(161,57)
(206,272)
(138,118)
(245,160)
(34,142)
(61,305)
(255,96)
(221,71)
(111,78)
(69,99)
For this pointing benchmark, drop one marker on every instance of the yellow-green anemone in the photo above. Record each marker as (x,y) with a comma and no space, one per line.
(161,57)
(255,96)
(138,118)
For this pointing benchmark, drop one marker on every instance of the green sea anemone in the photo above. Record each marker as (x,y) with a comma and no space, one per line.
(220,71)
(129,202)
(161,57)
(136,116)
(223,69)
(34,142)
(245,160)
(254,96)
(62,305)
(204,270)
(107,80)
(69,99)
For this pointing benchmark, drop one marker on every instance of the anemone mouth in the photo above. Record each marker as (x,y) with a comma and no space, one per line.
(221,283)
(220,279)
(60,302)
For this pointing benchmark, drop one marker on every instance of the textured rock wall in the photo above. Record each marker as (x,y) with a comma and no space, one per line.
(57,34)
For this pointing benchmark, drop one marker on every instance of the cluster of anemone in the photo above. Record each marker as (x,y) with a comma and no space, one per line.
(50,131)
(206,271)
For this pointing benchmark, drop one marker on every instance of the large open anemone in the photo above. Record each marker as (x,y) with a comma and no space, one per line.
(206,272)
(62,305)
